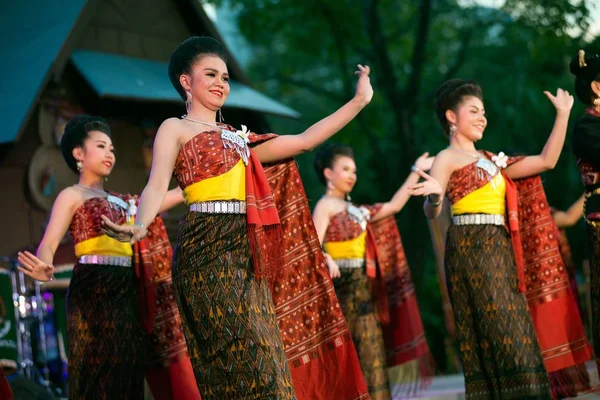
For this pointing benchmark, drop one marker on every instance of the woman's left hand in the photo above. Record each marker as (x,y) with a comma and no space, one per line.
(429,186)
(563,101)
(424,162)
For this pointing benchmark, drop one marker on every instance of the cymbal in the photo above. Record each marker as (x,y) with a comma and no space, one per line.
(57,284)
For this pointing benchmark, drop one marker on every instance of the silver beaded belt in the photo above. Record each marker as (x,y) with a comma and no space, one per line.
(220,207)
(117,261)
(478,219)
(350,262)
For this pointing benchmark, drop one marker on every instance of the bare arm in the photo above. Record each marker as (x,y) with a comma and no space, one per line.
(321,219)
(166,147)
(565,219)
(547,159)
(41,267)
(287,146)
(60,218)
(400,198)
(173,198)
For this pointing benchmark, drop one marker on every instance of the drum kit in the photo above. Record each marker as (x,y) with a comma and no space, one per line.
(33,326)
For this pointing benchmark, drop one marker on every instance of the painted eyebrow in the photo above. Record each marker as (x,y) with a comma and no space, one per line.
(477,108)
(214,70)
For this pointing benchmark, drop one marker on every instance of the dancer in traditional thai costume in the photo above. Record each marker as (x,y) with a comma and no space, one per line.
(111,303)
(500,353)
(586,148)
(259,310)
(371,276)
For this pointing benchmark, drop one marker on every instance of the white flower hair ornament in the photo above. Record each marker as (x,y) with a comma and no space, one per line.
(500,160)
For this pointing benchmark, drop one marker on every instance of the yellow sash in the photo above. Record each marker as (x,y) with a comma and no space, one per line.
(103,246)
(228,186)
(353,248)
(485,200)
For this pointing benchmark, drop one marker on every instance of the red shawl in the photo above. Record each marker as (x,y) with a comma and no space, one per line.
(318,345)
(551,301)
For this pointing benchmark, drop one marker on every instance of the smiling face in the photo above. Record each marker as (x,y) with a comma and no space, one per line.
(469,118)
(97,154)
(342,174)
(208,82)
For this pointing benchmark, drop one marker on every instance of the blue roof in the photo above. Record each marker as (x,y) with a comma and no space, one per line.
(34,34)
(117,76)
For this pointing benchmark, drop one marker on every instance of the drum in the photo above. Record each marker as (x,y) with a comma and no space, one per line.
(9,355)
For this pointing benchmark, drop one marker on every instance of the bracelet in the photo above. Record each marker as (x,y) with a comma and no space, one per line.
(435,204)
(140,225)
(414,168)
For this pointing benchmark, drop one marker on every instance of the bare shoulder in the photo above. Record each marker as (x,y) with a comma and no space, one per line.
(329,206)
(171,129)
(68,198)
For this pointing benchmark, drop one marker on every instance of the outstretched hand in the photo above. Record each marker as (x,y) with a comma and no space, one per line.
(364,90)
(123,233)
(33,267)
(563,101)
(424,188)
(424,162)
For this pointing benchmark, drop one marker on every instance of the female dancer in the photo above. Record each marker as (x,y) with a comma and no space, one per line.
(104,326)
(586,143)
(498,346)
(247,256)
(378,319)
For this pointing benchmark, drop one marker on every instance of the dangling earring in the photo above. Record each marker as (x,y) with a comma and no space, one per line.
(348,198)
(329,188)
(188,101)
(453,129)
(597,104)
(79,166)
(220,116)
(106,179)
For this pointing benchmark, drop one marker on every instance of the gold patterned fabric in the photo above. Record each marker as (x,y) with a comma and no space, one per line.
(228,316)
(498,346)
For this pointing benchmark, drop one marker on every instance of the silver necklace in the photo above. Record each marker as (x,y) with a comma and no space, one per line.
(201,122)
(99,191)
(464,152)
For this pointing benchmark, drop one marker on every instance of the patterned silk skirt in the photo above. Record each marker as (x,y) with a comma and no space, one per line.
(354,294)
(106,337)
(228,316)
(594,239)
(498,345)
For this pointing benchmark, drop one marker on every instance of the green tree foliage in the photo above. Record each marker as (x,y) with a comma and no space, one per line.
(305,53)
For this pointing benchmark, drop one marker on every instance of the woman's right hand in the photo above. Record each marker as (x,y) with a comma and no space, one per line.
(123,233)
(563,101)
(334,269)
(430,186)
(35,268)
